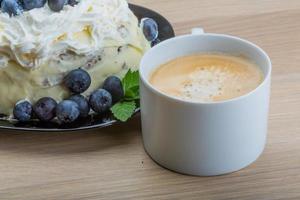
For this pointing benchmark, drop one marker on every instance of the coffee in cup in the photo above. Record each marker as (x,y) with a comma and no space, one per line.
(207,77)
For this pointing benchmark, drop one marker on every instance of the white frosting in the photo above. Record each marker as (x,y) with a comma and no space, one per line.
(38,35)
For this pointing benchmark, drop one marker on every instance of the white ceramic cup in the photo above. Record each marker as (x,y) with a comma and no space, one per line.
(204,138)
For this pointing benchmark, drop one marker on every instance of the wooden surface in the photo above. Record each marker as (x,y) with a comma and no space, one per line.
(111,163)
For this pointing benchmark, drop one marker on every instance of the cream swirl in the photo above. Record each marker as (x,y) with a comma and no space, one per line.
(38,35)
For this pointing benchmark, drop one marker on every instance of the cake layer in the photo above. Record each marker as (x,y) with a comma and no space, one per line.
(17,83)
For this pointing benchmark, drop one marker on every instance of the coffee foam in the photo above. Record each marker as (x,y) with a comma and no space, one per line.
(204,83)
(207,77)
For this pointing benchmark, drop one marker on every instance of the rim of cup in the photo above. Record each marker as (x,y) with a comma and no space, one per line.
(145,80)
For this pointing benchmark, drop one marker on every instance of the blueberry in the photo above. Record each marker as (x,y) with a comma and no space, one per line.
(77,81)
(83,104)
(155,42)
(56,5)
(12,7)
(31,4)
(23,111)
(67,111)
(44,108)
(114,86)
(150,29)
(72,2)
(100,101)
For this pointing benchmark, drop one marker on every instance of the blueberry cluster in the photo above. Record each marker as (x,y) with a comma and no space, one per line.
(17,7)
(69,110)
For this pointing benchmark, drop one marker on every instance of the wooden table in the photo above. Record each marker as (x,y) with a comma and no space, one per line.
(111,163)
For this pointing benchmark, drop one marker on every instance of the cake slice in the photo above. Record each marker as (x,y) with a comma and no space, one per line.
(39,47)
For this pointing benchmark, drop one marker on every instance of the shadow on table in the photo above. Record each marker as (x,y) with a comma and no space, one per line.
(70,142)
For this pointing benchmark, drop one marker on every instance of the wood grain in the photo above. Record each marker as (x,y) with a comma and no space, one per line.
(111,163)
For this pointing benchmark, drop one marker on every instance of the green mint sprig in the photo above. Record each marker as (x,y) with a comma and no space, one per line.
(124,109)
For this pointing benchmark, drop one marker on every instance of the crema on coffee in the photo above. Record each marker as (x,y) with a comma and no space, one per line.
(207,77)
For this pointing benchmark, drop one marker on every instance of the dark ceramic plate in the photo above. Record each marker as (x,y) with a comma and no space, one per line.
(165,32)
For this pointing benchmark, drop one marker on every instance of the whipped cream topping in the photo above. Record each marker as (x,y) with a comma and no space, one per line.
(39,35)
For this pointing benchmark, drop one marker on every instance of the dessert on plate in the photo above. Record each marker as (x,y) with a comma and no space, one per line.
(40,44)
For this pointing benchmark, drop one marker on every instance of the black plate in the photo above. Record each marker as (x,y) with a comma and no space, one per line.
(165,31)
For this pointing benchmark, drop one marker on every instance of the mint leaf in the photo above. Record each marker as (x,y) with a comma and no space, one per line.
(132,94)
(123,110)
(130,84)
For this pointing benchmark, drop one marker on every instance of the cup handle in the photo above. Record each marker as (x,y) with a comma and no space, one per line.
(197,31)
